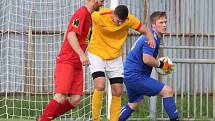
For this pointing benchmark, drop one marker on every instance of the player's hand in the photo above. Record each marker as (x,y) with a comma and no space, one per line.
(166,67)
(171,68)
(151,43)
(84,60)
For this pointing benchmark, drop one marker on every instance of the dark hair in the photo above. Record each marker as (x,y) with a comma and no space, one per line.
(156,15)
(121,11)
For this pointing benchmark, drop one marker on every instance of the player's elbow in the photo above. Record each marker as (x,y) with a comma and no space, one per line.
(71,35)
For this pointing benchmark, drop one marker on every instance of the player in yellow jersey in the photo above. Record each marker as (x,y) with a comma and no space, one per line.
(110,30)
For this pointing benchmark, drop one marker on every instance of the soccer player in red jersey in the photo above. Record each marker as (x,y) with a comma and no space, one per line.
(68,74)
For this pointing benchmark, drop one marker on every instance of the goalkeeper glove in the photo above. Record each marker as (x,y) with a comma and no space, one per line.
(166,67)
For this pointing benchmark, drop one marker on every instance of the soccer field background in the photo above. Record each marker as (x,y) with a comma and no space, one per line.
(32,32)
(143,111)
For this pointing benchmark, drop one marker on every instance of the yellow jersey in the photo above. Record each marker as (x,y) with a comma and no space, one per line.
(107,37)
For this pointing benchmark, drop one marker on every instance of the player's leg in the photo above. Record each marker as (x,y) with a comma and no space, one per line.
(154,87)
(99,86)
(71,102)
(134,100)
(52,108)
(75,92)
(127,110)
(114,69)
(97,70)
(63,80)
(169,103)
(116,90)
(65,107)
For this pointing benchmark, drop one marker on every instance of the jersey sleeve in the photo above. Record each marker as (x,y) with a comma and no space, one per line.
(147,49)
(134,22)
(77,23)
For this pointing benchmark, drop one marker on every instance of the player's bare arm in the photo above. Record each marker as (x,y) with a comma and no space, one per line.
(149,60)
(149,35)
(73,40)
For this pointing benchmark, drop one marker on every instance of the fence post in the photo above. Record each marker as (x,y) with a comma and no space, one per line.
(213,92)
(153,100)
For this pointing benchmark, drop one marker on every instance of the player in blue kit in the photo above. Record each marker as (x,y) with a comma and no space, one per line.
(138,67)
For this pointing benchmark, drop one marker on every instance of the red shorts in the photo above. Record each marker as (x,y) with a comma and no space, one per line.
(68,79)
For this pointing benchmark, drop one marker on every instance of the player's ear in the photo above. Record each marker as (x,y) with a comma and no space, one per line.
(153,25)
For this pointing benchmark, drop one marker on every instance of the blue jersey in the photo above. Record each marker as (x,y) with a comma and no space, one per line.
(134,65)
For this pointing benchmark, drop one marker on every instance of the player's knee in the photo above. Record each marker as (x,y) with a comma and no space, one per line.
(75,100)
(116,86)
(167,92)
(100,87)
(59,97)
(99,80)
(116,92)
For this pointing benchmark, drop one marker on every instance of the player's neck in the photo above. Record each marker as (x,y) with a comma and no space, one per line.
(160,36)
(89,7)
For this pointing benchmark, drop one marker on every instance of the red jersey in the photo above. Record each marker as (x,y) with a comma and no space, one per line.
(80,23)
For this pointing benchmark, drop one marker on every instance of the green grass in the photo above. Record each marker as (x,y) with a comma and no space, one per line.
(19,120)
(3,119)
(19,105)
(15,120)
(182,107)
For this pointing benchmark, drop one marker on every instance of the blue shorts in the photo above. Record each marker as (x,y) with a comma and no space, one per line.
(143,85)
